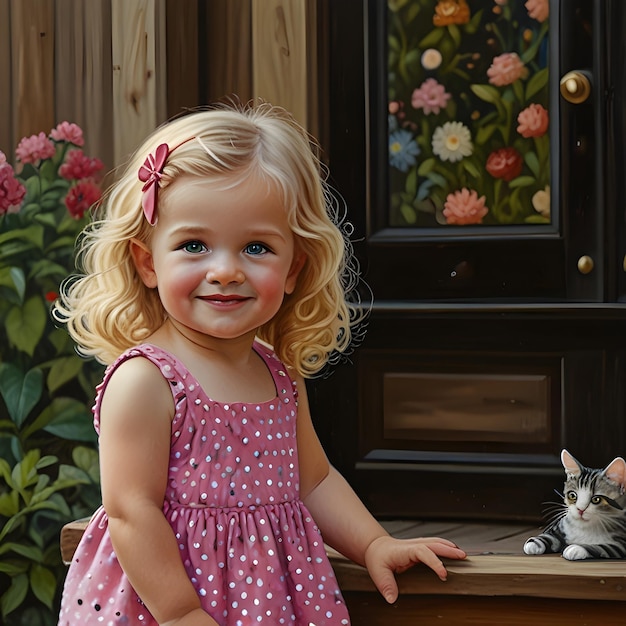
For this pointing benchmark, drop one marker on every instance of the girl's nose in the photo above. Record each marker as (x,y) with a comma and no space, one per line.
(224,271)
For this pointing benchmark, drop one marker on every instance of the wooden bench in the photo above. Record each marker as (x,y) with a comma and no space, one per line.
(497,585)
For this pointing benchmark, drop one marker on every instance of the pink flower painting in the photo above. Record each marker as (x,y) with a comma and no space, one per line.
(505,69)
(533,121)
(430,97)
(464,207)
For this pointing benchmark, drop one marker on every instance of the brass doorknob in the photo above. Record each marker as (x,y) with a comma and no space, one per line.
(575,87)
(585,264)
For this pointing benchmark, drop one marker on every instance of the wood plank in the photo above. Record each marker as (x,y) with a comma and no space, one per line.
(32,69)
(182,56)
(226,50)
(279,55)
(371,610)
(134,55)
(473,537)
(7,139)
(71,534)
(547,576)
(98,97)
(69,62)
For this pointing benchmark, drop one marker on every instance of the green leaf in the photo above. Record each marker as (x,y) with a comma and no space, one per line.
(426,166)
(45,268)
(432,39)
(32,553)
(522,181)
(25,325)
(408,213)
(14,595)
(13,277)
(19,280)
(536,83)
(43,583)
(69,419)
(486,93)
(85,459)
(469,167)
(9,505)
(64,370)
(33,234)
(13,568)
(530,158)
(20,392)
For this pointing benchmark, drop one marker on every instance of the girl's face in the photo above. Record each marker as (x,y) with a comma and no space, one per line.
(222,260)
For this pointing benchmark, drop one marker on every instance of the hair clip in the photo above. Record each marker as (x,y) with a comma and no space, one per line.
(150,173)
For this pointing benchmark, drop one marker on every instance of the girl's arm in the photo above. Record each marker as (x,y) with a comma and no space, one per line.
(135,431)
(349,527)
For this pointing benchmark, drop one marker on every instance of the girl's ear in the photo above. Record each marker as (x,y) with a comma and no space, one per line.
(299,259)
(142,258)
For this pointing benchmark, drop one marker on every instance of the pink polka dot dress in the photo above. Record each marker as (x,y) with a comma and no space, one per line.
(248,543)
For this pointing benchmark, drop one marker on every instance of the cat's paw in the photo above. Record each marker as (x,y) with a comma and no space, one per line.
(575,553)
(534,546)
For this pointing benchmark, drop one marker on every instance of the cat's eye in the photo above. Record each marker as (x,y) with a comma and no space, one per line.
(572,496)
(597,500)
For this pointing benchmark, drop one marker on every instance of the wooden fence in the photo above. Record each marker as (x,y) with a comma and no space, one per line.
(118,68)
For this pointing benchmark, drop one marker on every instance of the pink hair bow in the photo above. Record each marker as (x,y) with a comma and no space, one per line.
(150,173)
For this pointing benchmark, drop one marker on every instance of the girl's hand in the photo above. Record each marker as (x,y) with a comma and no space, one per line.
(386,556)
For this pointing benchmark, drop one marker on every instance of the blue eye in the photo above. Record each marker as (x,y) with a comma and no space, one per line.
(256,248)
(194,247)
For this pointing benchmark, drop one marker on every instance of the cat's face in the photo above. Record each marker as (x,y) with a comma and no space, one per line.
(593,496)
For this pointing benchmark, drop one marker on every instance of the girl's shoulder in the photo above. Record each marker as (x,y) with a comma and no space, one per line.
(130,366)
(166,362)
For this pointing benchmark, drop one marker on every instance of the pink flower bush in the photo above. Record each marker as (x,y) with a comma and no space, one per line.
(35,148)
(72,133)
(57,177)
(12,192)
(431,97)
(464,207)
(538,9)
(78,165)
(81,197)
(505,163)
(533,121)
(505,69)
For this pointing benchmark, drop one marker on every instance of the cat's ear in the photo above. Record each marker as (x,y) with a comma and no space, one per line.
(616,471)
(571,465)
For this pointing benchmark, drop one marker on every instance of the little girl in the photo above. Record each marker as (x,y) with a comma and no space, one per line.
(213,284)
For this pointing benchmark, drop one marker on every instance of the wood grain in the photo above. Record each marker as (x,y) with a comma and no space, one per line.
(279,54)
(182,56)
(32,54)
(134,54)
(226,50)
(426,610)
(98,81)
(7,141)
(69,70)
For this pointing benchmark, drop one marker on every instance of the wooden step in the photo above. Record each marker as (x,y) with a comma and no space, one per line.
(497,585)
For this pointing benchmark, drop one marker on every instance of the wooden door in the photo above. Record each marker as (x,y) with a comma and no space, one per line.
(491,345)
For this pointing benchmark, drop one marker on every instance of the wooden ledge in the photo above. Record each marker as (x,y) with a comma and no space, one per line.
(495,565)
(545,576)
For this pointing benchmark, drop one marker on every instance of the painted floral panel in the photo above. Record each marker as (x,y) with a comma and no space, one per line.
(468,112)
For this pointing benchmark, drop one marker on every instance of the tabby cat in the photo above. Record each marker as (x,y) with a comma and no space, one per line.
(591,524)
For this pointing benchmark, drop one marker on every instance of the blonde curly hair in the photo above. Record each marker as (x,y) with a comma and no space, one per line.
(107,308)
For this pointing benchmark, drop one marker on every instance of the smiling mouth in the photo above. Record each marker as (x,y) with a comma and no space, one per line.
(222,299)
